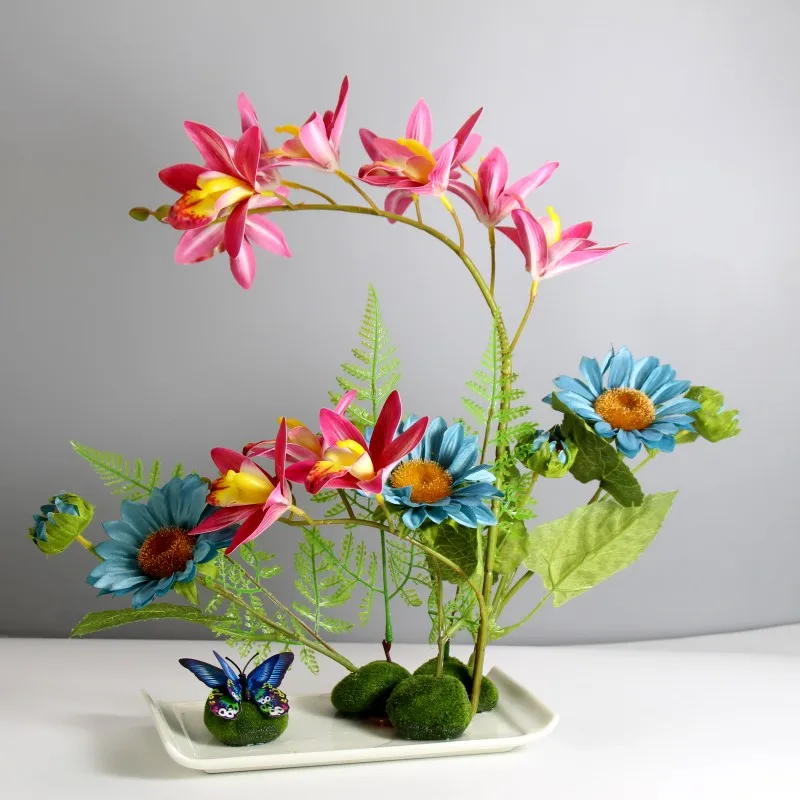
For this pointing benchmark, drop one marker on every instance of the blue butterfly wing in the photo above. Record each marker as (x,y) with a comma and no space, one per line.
(211,676)
(222,705)
(271,702)
(271,672)
(232,682)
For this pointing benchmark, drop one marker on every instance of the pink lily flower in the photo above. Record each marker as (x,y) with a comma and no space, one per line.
(302,443)
(549,250)
(267,172)
(491,200)
(316,143)
(232,182)
(247,494)
(408,166)
(348,461)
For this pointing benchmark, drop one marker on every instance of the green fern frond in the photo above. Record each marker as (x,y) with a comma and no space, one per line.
(375,371)
(117,474)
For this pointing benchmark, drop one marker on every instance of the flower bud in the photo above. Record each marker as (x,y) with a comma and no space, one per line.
(60,522)
(547,453)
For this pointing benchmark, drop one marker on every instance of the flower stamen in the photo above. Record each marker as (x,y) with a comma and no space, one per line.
(165,552)
(429,481)
(626,409)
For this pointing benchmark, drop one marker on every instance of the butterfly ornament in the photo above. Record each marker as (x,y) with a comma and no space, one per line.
(230,688)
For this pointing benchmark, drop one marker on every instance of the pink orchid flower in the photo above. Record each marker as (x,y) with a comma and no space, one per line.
(316,143)
(302,443)
(348,461)
(549,250)
(408,166)
(490,199)
(247,494)
(232,182)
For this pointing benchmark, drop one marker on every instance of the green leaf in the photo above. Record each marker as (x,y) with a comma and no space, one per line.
(459,544)
(597,460)
(512,546)
(140,214)
(188,589)
(117,474)
(576,552)
(711,422)
(377,372)
(102,620)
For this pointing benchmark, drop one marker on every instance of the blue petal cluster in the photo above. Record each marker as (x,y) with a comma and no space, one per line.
(179,504)
(471,486)
(45,515)
(647,376)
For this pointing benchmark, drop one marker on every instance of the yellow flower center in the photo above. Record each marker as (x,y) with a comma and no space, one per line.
(429,482)
(165,552)
(420,168)
(240,489)
(553,231)
(625,408)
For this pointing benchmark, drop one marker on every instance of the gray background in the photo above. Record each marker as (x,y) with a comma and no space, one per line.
(676,126)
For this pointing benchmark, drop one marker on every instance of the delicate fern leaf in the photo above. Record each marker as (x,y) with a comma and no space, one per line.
(309,659)
(375,371)
(116,472)
(365,607)
(178,472)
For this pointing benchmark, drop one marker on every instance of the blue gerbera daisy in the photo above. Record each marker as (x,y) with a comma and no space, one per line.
(150,549)
(439,479)
(632,402)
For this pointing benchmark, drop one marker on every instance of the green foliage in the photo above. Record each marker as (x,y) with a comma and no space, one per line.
(326,579)
(597,460)
(458,543)
(374,373)
(512,546)
(407,570)
(130,482)
(188,589)
(241,627)
(576,552)
(250,726)
(365,692)
(61,529)
(710,421)
(429,708)
(103,620)
(458,669)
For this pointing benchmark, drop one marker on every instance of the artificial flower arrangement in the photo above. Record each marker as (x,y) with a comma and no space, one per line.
(435,515)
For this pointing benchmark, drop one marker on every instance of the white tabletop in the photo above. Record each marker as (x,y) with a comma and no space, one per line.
(710,717)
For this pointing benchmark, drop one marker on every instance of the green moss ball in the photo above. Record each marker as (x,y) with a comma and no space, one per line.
(365,692)
(458,669)
(250,726)
(429,708)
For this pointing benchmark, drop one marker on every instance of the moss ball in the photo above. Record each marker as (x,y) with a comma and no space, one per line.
(458,669)
(424,707)
(250,726)
(365,692)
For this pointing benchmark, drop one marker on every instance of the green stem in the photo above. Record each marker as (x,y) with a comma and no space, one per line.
(350,182)
(526,315)
(511,592)
(287,634)
(346,501)
(494,264)
(449,206)
(303,523)
(440,621)
(407,577)
(388,634)
(84,542)
(309,189)
(596,496)
(503,631)
(417,208)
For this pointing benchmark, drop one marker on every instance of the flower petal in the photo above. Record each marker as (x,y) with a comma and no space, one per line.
(492,176)
(420,125)
(386,425)
(181,178)
(234,228)
(243,267)
(339,115)
(619,370)
(591,371)
(397,201)
(267,235)
(315,140)
(336,428)
(211,147)
(402,445)
(248,154)
(524,186)
(569,384)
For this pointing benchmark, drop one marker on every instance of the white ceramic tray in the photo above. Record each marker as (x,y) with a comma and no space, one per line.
(318,736)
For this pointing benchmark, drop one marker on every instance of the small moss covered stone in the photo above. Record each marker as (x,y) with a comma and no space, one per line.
(424,707)
(250,726)
(365,692)
(458,669)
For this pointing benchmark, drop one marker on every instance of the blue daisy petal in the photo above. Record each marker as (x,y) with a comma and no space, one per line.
(568,384)
(679,405)
(641,371)
(414,517)
(436,514)
(669,390)
(591,371)
(619,369)
(451,443)
(628,444)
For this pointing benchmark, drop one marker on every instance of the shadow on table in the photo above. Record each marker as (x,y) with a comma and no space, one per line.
(128,747)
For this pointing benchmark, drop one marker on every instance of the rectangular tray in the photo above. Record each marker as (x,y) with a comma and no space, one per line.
(318,736)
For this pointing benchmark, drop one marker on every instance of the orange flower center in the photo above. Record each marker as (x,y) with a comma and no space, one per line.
(165,552)
(428,481)
(625,408)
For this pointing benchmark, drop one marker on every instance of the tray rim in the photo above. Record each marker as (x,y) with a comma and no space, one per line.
(409,750)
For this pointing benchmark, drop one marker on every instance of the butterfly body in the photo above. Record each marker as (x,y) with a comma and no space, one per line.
(229,688)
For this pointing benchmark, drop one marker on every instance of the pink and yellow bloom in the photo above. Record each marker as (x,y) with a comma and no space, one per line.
(216,198)
(316,143)
(247,494)
(490,199)
(346,460)
(408,166)
(549,250)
